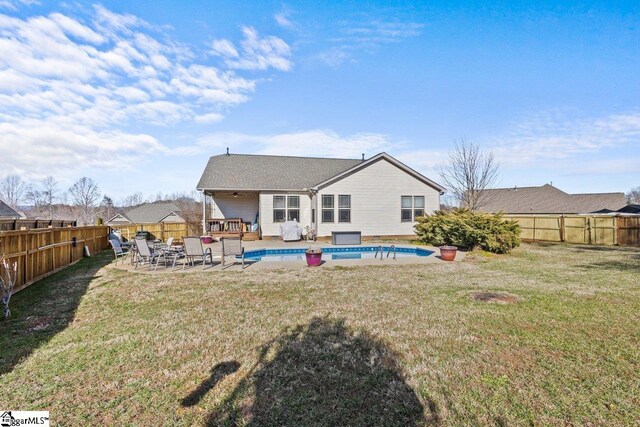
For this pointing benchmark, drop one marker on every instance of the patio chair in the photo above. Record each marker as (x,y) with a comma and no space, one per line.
(118,250)
(193,249)
(144,252)
(232,246)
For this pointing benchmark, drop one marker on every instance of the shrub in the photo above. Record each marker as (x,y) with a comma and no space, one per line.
(468,230)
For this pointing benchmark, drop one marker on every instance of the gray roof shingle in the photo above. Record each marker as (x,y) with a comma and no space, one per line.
(151,212)
(261,172)
(7,212)
(548,199)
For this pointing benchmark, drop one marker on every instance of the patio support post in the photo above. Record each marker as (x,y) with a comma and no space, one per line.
(204,212)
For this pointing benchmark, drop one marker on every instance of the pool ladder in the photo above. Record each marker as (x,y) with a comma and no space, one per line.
(380,250)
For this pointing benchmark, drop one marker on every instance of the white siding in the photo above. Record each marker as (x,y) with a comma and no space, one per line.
(376,194)
(244,206)
(270,228)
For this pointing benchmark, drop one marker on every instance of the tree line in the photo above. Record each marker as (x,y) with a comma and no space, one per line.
(82,201)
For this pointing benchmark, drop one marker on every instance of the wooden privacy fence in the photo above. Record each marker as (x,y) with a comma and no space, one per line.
(19,224)
(582,229)
(42,252)
(160,230)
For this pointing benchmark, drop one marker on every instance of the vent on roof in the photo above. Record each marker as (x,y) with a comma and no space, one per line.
(363,157)
(227,151)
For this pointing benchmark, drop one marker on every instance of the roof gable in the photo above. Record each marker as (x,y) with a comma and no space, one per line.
(8,212)
(149,213)
(376,158)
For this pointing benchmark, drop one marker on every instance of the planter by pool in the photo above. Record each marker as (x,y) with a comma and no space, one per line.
(314,258)
(448,253)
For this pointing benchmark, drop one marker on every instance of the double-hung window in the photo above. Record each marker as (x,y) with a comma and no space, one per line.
(344,208)
(328,205)
(411,208)
(286,208)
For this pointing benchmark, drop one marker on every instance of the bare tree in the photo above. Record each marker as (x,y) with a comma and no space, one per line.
(34,198)
(12,190)
(133,200)
(85,194)
(107,207)
(49,193)
(633,196)
(190,210)
(468,173)
(8,275)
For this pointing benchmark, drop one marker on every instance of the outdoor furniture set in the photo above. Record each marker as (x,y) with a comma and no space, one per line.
(193,250)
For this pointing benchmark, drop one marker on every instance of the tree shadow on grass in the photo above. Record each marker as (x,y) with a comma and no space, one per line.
(323,373)
(633,266)
(44,309)
(218,372)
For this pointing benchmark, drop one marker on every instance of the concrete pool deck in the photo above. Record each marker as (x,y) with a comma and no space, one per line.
(291,265)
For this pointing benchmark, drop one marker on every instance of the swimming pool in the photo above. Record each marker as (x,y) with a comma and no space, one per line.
(335,253)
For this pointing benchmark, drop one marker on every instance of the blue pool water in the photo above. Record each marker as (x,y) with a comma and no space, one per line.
(359,252)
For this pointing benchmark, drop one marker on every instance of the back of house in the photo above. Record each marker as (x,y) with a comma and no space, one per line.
(379,196)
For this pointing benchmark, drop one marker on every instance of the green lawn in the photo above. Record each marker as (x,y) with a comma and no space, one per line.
(377,345)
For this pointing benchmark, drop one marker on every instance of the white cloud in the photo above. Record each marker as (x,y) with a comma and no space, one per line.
(65,79)
(209,118)
(553,135)
(283,19)
(316,142)
(47,148)
(224,48)
(13,5)
(356,37)
(257,53)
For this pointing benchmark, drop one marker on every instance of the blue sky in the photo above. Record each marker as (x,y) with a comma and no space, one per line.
(138,95)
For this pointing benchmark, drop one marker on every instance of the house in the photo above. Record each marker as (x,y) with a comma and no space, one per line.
(548,199)
(148,213)
(379,196)
(7,212)
(626,210)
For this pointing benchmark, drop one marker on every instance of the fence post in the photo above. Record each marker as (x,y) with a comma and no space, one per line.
(562,229)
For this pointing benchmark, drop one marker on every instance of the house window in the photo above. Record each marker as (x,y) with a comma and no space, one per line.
(328,205)
(411,208)
(293,208)
(344,208)
(279,208)
(418,207)
(286,208)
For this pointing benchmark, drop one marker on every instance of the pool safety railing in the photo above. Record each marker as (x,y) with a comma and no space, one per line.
(392,248)
(380,250)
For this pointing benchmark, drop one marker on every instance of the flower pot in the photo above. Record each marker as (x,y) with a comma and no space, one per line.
(448,253)
(314,258)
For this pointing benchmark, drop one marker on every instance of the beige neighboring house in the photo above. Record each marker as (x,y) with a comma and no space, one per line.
(148,213)
(548,199)
(379,196)
(7,212)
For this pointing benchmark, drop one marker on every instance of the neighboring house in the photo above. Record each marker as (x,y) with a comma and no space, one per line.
(7,212)
(548,200)
(627,210)
(148,213)
(379,196)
